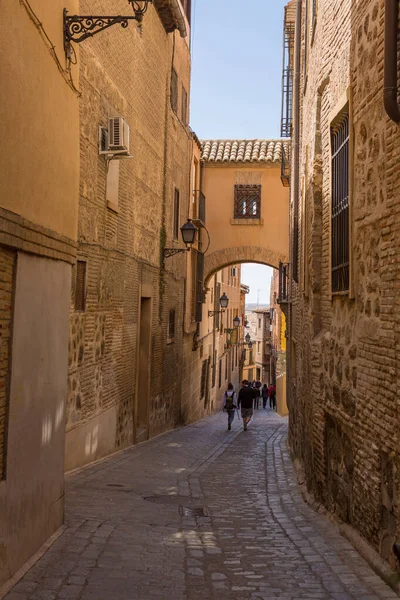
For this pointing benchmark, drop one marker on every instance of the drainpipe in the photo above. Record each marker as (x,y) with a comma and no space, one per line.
(295,187)
(390,61)
(296,138)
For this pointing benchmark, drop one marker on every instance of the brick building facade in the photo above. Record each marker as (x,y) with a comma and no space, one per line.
(343,313)
(127,304)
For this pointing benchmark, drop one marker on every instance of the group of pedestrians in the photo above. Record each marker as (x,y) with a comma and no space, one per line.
(247,400)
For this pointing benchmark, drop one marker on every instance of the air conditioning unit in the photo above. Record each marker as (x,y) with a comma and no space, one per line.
(118,135)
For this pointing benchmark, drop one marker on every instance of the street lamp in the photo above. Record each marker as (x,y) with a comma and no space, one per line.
(236,321)
(188,232)
(250,344)
(223,302)
(247,338)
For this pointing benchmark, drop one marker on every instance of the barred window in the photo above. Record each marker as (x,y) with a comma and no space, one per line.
(174,91)
(184,106)
(203,378)
(340,204)
(247,202)
(214,370)
(176,214)
(220,373)
(171,324)
(80,286)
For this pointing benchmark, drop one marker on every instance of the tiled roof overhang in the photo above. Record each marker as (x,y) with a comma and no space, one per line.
(235,151)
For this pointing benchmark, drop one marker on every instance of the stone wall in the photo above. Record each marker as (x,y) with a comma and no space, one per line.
(343,379)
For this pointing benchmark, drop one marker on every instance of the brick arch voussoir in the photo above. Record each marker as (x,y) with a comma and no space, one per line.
(240,254)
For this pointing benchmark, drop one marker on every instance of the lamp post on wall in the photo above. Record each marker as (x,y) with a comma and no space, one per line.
(78,28)
(223,302)
(188,232)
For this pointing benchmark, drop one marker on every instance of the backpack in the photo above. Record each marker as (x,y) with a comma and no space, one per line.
(229,400)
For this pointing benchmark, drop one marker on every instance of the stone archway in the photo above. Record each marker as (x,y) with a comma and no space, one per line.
(240,254)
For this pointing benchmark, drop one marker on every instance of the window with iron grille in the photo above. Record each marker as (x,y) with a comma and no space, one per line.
(220,373)
(214,370)
(184,106)
(176,214)
(199,286)
(171,324)
(80,285)
(340,203)
(174,91)
(247,203)
(203,378)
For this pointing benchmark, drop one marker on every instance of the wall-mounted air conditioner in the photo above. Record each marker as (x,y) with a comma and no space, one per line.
(114,141)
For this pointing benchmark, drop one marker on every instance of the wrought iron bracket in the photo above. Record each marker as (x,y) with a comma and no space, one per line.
(229,331)
(78,28)
(211,313)
(167,252)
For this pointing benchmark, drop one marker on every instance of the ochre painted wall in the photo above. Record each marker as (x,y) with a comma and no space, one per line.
(39,116)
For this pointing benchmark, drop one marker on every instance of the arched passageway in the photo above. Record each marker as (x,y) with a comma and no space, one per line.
(247,207)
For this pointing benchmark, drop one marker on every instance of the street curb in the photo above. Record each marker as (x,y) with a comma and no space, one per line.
(7,587)
(371,556)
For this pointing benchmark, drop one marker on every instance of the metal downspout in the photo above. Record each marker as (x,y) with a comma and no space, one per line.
(390,61)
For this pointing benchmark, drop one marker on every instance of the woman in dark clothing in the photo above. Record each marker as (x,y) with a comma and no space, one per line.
(264,395)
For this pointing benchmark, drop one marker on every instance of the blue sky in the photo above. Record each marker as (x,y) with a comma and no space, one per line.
(236,82)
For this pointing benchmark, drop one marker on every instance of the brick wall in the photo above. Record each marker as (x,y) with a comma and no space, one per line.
(127,72)
(343,349)
(7,265)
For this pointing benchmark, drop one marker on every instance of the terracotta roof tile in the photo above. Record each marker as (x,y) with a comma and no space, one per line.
(243,150)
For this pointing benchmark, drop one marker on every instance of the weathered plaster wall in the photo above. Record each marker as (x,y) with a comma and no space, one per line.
(32,494)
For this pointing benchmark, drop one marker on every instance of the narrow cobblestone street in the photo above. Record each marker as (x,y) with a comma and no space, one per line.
(235,527)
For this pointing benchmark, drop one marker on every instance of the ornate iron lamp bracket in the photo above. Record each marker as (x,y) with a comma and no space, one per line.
(167,252)
(78,28)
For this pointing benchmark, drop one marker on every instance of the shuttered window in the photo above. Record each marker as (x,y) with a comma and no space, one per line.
(203,378)
(174,91)
(80,286)
(340,226)
(171,324)
(184,106)
(176,214)
(199,286)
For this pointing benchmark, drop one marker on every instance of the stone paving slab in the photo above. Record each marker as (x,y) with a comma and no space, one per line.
(198,513)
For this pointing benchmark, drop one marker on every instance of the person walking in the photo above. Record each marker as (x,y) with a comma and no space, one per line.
(264,395)
(272,396)
(257,387)
(246,402)
(230,404)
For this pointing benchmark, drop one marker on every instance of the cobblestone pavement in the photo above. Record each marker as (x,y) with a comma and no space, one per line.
(235,527)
